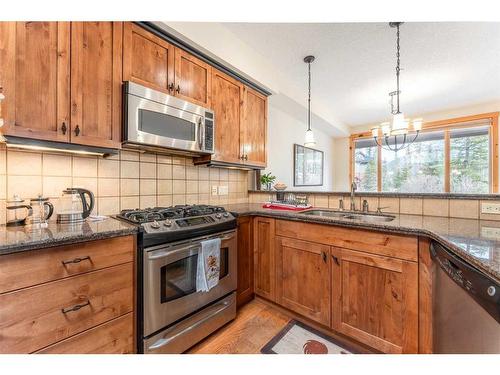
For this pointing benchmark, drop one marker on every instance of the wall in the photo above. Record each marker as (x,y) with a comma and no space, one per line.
(283,131)
(127,180)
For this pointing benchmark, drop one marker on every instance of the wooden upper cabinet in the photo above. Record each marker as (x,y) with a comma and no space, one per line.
(264,258)
(147,59)
(254,128)
(34,74)
(375,300)
(303,278)
(227,97)
(96,78)
(192,78)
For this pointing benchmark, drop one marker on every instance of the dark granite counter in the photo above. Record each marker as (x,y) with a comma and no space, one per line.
(475,241)
(17,239)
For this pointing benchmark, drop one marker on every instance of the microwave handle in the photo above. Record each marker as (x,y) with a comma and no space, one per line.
(200,141)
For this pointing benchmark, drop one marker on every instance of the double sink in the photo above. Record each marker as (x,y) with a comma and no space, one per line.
(360,216)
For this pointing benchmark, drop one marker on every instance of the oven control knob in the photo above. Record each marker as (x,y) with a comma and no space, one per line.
(218,216)
(225,214)
(168,223)
(155,225)
(491,291)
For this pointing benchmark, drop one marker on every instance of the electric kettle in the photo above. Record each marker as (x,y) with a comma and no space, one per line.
(74,206)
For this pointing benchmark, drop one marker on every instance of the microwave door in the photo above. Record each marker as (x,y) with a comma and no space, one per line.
(161,125)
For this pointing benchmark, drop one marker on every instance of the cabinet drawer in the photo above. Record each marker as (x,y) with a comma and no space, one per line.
(40,266)
(374,242)
(114,337)
(36,317)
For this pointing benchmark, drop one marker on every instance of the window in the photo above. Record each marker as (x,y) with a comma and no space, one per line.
(448,156)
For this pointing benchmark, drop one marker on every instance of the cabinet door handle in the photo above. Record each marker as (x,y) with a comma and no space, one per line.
(171,87)
(64,128)
(178,89)
(246,157)
(76,260)
(336,260)
(77,130)
(75,308)
(323,255)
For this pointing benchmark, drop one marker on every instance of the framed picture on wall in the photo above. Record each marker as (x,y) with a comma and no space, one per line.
(307,166)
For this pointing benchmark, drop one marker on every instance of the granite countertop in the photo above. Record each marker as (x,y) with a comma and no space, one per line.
(24,238)
(475,241)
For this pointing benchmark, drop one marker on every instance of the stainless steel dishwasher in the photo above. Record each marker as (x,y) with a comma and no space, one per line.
(466,306)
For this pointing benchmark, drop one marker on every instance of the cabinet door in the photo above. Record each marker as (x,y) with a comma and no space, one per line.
(227,98)
(147,59)
(303,278)
(34,74)
(375,300)
(245,260)
(254,128)
(264,258)
(96,83)
(193,78)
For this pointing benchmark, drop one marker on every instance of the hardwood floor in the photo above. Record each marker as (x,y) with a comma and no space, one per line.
(255,324)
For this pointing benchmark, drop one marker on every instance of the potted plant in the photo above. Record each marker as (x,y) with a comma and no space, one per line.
(267,180)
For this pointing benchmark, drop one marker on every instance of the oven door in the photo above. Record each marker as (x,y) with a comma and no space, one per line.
(170,280)
(160,125)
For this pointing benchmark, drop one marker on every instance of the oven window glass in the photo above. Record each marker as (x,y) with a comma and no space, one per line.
(164,125)
(178,278)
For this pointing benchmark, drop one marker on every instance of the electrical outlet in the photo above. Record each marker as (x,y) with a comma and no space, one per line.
(223,190)
(490,208)
(215,190)
(489,232)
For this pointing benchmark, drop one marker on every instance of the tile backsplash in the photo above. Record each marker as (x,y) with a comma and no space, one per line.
(127,180)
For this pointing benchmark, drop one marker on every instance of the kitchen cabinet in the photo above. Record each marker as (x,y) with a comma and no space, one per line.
(245,290)
(96,67)
(254,128)
(375,300)
(193,78)
(303,278)
(34,74)
(264,258)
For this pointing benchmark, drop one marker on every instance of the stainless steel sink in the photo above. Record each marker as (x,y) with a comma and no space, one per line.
(369,218)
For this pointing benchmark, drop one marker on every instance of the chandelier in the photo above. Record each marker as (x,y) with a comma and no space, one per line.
(396,134)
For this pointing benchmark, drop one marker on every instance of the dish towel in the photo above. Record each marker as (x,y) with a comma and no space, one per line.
(208,268)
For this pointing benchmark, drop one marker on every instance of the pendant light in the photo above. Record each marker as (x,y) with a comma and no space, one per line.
(395,133)
(309,139)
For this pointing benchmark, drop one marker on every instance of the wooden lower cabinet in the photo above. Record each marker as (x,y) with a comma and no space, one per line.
(375,300)
(264,258)
(303,278)
(245,290)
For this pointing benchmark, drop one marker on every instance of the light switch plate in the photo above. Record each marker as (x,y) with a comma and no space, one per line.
(215,190)
(489,232)
(490,208)
(223,190)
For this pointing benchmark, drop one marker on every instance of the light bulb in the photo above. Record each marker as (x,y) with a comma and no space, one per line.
(309,141)
(399,124)
(375,131)
(386,128)
(417,124)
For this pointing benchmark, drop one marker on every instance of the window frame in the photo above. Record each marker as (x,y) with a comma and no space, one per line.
(446,126)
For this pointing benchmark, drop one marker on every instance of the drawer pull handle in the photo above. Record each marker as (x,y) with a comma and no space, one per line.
(75,308)
(76,260)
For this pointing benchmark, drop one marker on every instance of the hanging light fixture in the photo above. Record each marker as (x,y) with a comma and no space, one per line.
(309,140)
(395,134)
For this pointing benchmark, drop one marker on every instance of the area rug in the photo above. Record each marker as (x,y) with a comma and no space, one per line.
(298,338)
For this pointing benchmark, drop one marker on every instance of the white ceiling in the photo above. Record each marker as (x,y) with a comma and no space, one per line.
(444,65)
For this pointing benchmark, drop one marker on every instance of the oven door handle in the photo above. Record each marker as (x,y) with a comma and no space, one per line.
(169,253)
(165,341)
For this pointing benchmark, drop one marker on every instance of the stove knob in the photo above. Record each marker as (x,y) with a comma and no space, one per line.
(168,223)
(491,291)
(218,216)
(155,225)
(226,214)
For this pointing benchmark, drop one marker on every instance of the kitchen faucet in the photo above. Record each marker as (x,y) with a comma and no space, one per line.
(353,189)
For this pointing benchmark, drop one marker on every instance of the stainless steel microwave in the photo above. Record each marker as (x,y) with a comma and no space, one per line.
(159,122)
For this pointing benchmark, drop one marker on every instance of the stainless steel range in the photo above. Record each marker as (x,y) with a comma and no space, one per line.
(173,316)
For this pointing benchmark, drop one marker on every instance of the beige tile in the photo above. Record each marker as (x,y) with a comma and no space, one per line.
(129,203)
(164,159)
(486,216)
(436,207)
(56,165)
(203,199)
(89,183)
(3,186)
(178,172)
(53,186)
(148,170)
(411,206)
(321,200)
(391,204)
(223,200)
(84,167)
(234,175)
(148,157)
(3,161)
(214,174)
(333,201)
(146,201)
(203,173)
(129,169)
(129,186)
(164,187)
(223,174)
(179,160)
(108,205)
(178,199)
(129,155)
(464,208)
(164,200)
(179,187)
(191,173)
(203,187)
(147,187)
(192,199)
(191,187)
(108,187)
(108,168)
(213,199)
(233,186)
(164,171)
(373,203)
(3,212)
(24,163)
